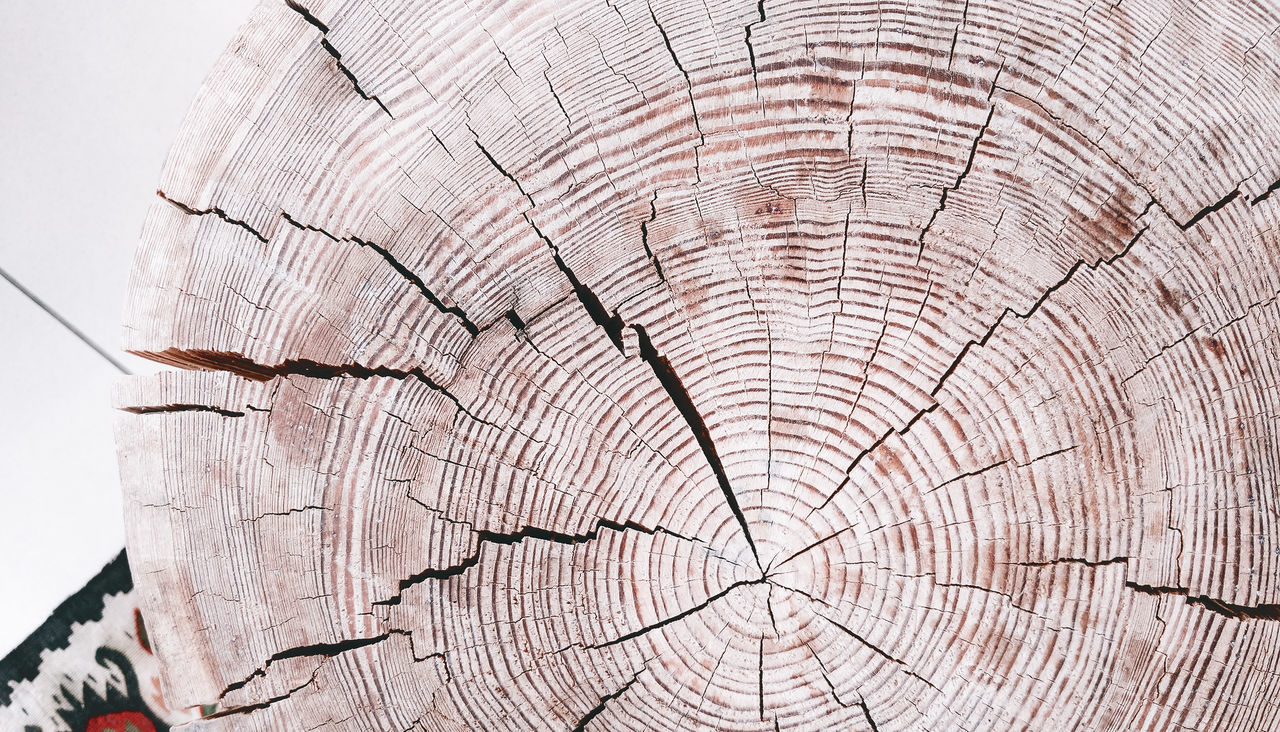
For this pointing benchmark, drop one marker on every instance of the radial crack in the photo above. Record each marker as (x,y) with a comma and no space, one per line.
(213,211)
(1163,350)
(961,476)
(1195,218)
(1074,560)
(866,712)
(1044,297)
(857,459)
(403,271)
(773,568)
(680,397)
(677,617)
(874,648)
(993,466)
(644,236)
(1211,208)
(967,474)
(485,537)
(171,408)
(1265,194)
(822,668)
(337,57)
(1247,312)
(760,677)
(400,269)
(581,726)
(613,325)
(327,650)
(862,702)
(245,367)
(693,107)
(1264,611)
(968,166)
(751,49)
(246,709)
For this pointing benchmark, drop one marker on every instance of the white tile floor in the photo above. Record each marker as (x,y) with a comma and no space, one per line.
(91,93)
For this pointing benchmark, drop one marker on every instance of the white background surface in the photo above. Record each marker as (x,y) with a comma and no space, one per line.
(91,93)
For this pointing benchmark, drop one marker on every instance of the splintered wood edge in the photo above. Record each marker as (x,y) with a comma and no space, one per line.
(735,365)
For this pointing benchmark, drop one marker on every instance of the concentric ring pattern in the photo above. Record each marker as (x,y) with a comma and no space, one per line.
(694,364)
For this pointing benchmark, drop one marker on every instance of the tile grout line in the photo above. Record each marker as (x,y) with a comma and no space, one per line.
(65,323)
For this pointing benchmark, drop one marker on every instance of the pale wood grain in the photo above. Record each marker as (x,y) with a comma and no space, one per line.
(793,365)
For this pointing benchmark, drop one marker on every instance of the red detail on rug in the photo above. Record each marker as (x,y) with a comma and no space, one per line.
(120,722)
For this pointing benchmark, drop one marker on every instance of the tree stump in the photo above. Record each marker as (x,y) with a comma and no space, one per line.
(681,364)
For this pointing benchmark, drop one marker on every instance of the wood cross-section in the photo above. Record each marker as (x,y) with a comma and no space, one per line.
(737,365)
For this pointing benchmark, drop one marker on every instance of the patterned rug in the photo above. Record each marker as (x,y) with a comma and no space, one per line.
(89,667)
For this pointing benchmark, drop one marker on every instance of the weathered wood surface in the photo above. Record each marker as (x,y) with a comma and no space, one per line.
(797,365)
